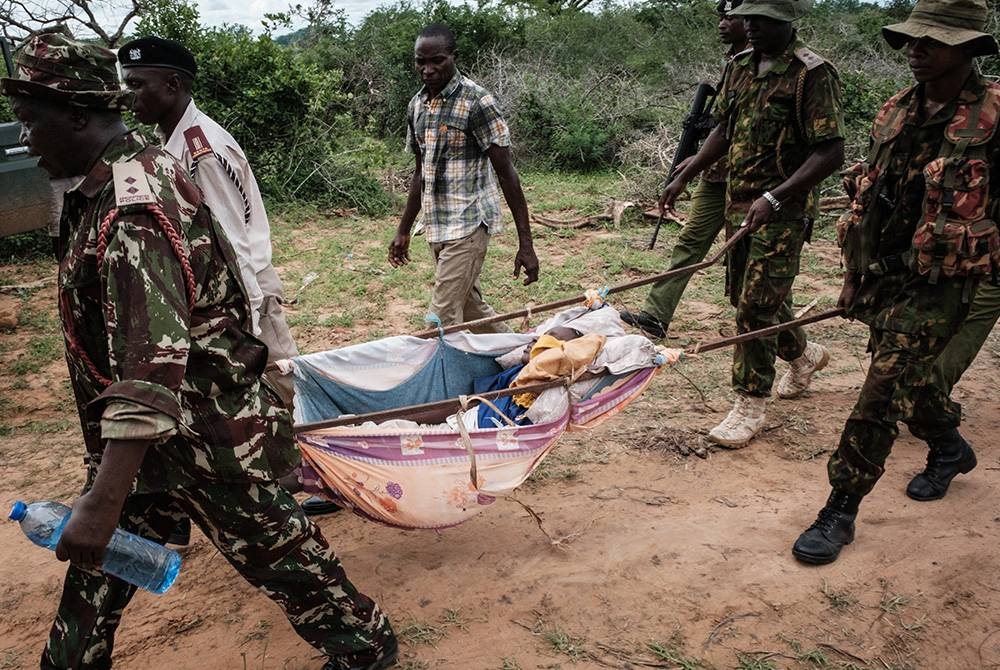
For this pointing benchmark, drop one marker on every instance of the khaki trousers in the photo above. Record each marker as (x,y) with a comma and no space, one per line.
(457,297)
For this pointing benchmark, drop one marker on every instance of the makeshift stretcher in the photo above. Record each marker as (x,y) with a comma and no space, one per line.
(359,449)
(411,475)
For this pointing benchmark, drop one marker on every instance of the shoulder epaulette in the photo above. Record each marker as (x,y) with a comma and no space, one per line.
(197,143)
(809,58)
(131,184)
(199,147)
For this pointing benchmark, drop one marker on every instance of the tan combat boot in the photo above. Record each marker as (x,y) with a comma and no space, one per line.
(744,421)
(796,380)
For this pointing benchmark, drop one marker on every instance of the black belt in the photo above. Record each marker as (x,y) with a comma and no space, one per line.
(890,265)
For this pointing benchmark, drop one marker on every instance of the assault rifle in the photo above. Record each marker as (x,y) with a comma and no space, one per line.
(696,127)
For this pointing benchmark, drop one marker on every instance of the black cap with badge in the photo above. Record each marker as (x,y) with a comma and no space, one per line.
(157,52)
(725,6)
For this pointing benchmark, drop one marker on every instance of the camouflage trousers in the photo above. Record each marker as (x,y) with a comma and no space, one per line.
(907,338)
(760,273)
(263,533)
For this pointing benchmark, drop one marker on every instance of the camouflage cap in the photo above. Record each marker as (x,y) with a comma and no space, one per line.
(779,10)
(53,66)
(725,7)
(951,22)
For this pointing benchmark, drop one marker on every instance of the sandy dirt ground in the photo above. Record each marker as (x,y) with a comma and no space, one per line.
(657,553)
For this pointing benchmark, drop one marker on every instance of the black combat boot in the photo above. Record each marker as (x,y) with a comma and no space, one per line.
(645,321)
(834,527)
(316,506)
(386,659)
(949,455)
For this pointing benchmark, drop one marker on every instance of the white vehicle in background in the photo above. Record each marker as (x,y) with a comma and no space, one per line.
(25,195)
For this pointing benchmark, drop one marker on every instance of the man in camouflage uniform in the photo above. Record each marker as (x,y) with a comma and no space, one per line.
(918,238)
(708,210)
(166,376)
(780,121)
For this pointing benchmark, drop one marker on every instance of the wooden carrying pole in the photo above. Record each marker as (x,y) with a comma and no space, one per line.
(763,332)
(566,302)
(411,410)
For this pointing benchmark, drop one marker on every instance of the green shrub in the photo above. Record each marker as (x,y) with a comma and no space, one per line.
(290,114)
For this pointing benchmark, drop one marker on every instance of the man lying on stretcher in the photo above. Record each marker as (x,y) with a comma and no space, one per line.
(549,356)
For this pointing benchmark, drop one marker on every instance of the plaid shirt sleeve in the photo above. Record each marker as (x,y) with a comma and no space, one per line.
(486,124)
(411,137)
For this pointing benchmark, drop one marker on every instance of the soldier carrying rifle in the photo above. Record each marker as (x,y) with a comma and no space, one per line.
(781,122)
(708,204)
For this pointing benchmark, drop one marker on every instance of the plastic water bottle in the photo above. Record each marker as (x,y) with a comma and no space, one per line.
(134,559)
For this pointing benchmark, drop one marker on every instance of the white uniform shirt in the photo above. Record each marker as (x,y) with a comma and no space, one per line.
(241,215)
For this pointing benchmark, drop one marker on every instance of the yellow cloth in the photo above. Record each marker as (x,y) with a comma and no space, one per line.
(552,359)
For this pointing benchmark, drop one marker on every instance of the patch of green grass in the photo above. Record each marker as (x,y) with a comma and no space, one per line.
(891,603)
(41,351)
(34,318)
(509,664)
(839,600)
(816,658)
(584,193)
(671,654)
(454,619)
(751,662)
(562,642)
(420,633)
(46,427)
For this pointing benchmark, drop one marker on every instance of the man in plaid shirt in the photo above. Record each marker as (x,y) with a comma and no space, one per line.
(462,148)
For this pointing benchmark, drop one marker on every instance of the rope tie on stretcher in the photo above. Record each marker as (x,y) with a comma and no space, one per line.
(463,430)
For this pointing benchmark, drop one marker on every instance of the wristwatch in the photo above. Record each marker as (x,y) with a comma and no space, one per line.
(775,203)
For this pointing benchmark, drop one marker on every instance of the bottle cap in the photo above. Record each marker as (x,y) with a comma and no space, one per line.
(18,511)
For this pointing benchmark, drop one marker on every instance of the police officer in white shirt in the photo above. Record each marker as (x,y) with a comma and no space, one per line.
(161,72)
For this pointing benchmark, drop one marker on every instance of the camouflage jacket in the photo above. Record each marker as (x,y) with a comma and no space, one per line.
(144,362)
(773,120)
(719,170)
(900,201)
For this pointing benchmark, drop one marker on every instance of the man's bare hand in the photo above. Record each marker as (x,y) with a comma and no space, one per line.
(399,250)
(670,195)
(527,260)
(85,538)
(683,164)
(759,214)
